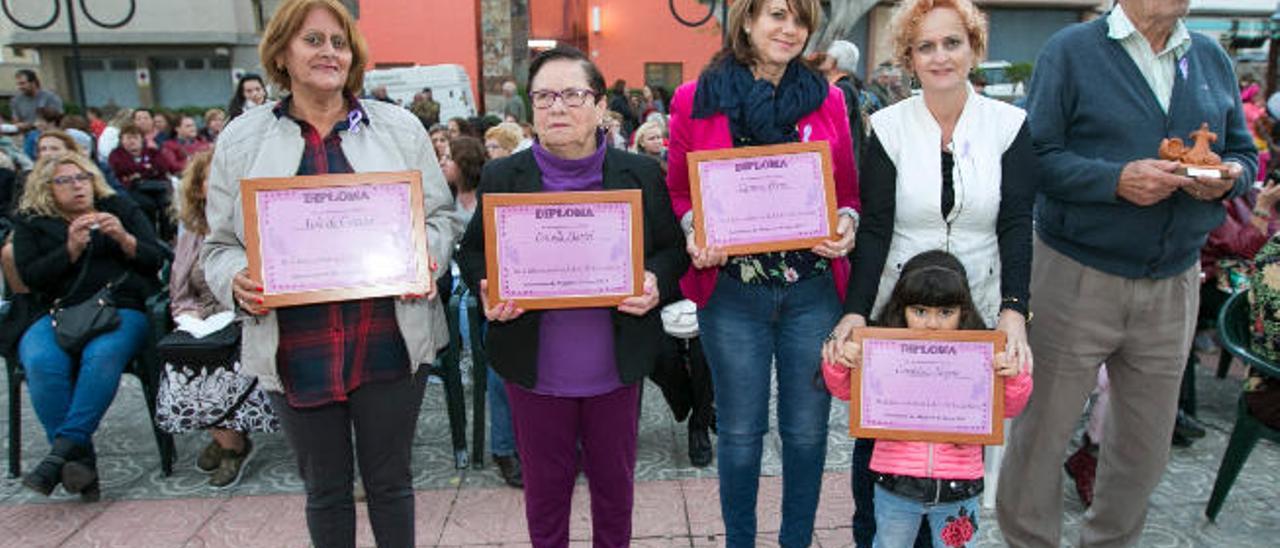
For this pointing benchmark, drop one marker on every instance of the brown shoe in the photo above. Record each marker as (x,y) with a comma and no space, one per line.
(231,467)
(210,457)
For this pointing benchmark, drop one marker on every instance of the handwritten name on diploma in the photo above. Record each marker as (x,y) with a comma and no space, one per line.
(921,385)
(563,250)
(321,238)
(763,199)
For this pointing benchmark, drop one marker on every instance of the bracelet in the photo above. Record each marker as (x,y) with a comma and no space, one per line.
(1259,212)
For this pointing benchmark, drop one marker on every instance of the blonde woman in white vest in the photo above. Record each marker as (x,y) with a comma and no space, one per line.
(946,169)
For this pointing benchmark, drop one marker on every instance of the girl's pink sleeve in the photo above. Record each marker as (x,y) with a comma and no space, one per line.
(1017,390)
(679,146)
(838,379)
(845,169)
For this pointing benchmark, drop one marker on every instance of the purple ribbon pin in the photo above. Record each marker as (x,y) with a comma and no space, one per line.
(355,116)
(1183,66)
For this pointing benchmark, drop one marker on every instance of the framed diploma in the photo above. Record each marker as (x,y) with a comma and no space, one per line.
(926,385)
(766,198)
(564,249)
(322,238)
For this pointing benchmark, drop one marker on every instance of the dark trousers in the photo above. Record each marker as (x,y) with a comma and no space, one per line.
(556,437)
(154,198)
(702,389)
(383,416)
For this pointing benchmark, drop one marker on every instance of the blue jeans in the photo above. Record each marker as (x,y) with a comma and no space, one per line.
(746,330)
(898,520)
(502,439)
(70,398)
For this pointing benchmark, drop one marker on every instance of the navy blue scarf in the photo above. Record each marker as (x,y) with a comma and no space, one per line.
(759,113)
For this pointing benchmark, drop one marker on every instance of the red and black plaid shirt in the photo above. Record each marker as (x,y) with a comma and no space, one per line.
(328,350)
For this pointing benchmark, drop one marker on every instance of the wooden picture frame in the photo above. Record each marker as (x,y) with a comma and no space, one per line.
(698,189)
(995,433)
(410,222)
(554,201)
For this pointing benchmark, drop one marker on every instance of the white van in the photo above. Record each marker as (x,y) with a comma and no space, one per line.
(450,86)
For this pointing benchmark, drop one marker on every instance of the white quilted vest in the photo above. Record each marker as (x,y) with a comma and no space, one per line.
(910,136)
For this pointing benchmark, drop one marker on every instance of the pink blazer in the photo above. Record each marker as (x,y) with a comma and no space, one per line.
(829,123)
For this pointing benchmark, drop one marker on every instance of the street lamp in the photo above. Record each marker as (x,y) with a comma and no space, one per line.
(711,11)
(75,38)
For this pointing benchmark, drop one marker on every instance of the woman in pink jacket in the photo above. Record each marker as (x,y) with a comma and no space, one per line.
(940,481)
(758,312)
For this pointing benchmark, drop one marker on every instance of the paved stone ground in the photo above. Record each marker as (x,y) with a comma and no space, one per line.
(676,504)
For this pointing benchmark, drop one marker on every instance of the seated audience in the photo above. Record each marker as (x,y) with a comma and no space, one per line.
(186,141)
(75,236)
(139,169)
(207,396)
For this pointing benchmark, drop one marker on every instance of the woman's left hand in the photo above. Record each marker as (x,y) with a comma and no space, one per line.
(431,284)
(641,305)
(1017,350)
(841,246)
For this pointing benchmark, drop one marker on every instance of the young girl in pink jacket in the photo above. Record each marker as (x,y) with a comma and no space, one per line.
(940,481)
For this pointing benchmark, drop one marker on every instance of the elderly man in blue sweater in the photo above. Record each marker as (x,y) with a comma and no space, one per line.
(1115,276)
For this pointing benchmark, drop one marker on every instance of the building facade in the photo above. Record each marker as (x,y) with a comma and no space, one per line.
(176,53)
(180,53)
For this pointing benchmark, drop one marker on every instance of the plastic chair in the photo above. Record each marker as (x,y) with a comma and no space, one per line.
(1233,327)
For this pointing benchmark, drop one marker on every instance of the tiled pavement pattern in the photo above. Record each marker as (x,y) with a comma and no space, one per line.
(676,505)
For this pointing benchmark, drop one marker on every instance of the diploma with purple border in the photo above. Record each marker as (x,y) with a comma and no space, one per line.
(923,385)
(564,249)
(766,198)
(336,237)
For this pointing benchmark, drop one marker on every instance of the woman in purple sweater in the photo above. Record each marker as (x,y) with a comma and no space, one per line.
(573,375)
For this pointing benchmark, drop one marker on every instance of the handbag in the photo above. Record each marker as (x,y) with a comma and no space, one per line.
(219,349)
(74,326)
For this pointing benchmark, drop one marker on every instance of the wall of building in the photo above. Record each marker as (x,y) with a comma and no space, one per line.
(423,32)
(634,33)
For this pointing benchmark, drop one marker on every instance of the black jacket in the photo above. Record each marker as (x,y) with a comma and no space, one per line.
(513,346)
(40,249)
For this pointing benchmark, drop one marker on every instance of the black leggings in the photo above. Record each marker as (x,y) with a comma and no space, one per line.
(383,416)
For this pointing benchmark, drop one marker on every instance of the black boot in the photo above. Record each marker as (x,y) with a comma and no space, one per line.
(48,473)
(699,446)
(80,473)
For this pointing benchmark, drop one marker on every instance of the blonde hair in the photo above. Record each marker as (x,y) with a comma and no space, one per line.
(67,140)
(288,21)
(214,113)
(507,134)
(906,24)
(808,15)
(644,131)
(37,193)
(121,118)
(188,209)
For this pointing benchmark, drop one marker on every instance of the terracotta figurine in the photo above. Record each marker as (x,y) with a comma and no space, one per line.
(1198,155)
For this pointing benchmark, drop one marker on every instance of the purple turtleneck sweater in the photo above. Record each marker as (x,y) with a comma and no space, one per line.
(575,346)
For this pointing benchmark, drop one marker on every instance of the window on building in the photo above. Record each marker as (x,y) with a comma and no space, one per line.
(668,76)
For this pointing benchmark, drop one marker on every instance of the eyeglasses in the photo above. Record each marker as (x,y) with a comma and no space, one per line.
(63,180)
(572,97)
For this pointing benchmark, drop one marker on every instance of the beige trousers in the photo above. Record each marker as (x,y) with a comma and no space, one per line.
(1142,330)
